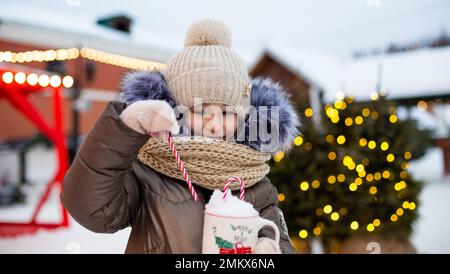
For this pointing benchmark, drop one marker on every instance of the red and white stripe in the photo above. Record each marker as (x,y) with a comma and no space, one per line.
(227,186)
(181,166)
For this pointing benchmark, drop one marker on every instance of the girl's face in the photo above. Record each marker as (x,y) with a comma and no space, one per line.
(212,120)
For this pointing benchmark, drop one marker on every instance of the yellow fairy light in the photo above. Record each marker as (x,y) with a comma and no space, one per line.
(394,217)
(376,222)
(359,120)
(315,184)
(298,141)
(20,78)
(363,142)
(390,157)
(374,96)
(405,204)
(341,178)
(32,79)
(399,211)
(327,209)
(44,80)
(335,119)
(340,139)
(386,174)
(347,160)
(365,112)
(404,166)
(348,121)
(8,77)
(309,112)
(393,119)
(332,155)
(377,176)
(303,234)
(359,168)
(353,187)
(304,186)
(354,225)
(340,104)
(331,112)
(370,227)
(369,177)
(362,173)
(331,179)
(412,206)
(278,156)
(317,231)
(281,197)
(67,81)
(334,216)
(373,190)
(384,146)
(351,166)
(407,155)
(372,144)
(329,138)
(358,181)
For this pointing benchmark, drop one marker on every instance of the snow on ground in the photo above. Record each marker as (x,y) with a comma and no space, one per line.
(431,231)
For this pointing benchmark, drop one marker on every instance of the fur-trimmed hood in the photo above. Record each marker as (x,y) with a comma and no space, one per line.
(265,93)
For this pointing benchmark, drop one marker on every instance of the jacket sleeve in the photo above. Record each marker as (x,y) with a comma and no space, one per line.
(271,211)
(99,189)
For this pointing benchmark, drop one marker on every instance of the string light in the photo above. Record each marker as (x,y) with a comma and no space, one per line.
(363,142)
(384,146)
(331,179)
(358,181)
(327,209)
(281,197)
(372,144)
(317,231)
(394,217)
(390,157)
(373,190)
(393,119)
(386,174)
(315,184)
(309,112)
(332,155)
(278,156)
(365,112)
(334,216)
(359,120)
(341,178)
(304,186)
(340,139)
(399,211)
(33,79)
(348,121)
(329,138)
(407,155)
(370,227)
(374,96)
(354,225)
(298,141)
(74,53)
(303,234)
(353,187)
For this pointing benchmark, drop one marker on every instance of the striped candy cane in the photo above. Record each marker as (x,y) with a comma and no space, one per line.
(227,185)
(181,166)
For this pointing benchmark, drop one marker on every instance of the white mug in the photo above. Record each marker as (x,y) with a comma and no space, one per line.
(233,235)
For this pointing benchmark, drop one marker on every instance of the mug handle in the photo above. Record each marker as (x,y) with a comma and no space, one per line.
(264,222)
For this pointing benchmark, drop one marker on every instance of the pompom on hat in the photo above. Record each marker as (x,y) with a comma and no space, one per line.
(207,68)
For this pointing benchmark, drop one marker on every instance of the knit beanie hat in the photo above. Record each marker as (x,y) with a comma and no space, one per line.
(207,68)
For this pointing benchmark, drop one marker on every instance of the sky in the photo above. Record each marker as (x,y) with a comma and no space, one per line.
(338,27)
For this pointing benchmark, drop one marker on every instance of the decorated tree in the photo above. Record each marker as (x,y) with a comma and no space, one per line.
(348,173)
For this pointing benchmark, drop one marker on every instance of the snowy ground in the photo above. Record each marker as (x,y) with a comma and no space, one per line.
(431,231)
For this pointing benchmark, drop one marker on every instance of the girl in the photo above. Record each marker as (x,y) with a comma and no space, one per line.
(124,174)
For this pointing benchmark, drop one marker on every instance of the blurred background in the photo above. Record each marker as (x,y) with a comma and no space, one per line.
(369,172)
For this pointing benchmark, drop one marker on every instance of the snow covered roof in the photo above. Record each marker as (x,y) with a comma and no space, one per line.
(416,74)
(61,30)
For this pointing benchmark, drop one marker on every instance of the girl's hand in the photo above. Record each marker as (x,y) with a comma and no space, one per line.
(152,117)
(266,245)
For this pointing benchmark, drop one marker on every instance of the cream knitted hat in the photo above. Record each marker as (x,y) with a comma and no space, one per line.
(206,68)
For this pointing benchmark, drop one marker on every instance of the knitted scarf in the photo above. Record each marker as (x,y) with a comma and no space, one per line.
(209,162)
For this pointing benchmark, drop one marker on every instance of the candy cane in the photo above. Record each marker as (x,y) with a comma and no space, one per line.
(227,185)
(181,166)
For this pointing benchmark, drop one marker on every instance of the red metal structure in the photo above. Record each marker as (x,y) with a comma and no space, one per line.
(16,93)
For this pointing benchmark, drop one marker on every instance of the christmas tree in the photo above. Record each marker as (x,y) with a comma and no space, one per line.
(348,172)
